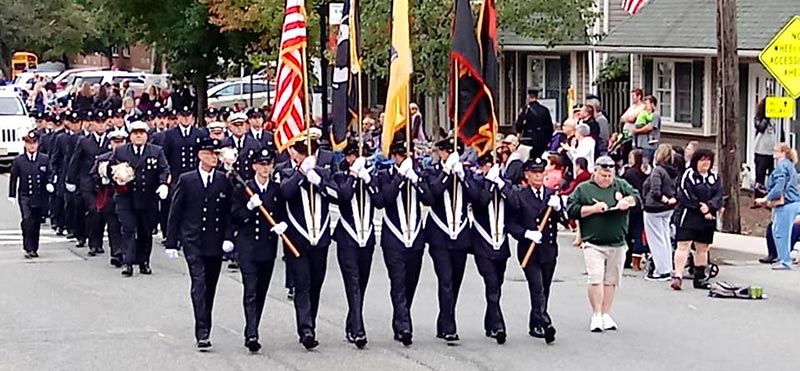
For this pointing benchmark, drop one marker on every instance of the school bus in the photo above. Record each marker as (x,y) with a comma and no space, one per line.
(23,61)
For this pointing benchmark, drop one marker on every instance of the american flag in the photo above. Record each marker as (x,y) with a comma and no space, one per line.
(633,6)
(289,93)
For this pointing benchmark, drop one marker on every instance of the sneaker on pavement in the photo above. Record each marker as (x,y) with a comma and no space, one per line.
(597,323)
(658,277)
(781,267)
(608,323)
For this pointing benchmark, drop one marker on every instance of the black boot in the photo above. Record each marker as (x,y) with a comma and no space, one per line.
(128,271)
(700,281)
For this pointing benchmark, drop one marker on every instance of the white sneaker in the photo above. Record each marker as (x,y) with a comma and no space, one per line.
(597,323)
(608,323)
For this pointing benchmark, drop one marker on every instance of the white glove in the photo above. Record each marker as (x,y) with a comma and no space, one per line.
(451,161)
(70,187)
(309,163)
(458,169)
(554,202)
(105,180)
(406,166)
(493,173)
(364,175)
(13,201)
(162,191)
(227,246)
(49,188)
(254,202)
(279,228)
(412,176)
(358,164)
(534,236)
(313,177)
(171,253)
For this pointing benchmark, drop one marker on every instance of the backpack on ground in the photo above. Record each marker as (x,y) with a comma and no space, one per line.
(727,289)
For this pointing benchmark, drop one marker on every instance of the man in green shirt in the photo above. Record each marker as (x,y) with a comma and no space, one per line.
(601,205)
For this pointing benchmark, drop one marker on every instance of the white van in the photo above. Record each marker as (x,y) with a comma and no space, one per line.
(14,125)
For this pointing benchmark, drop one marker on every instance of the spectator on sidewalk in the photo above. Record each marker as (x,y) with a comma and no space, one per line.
(635,176)
(601,205)
(772,251)
(766,138)
(602,123)
(658,195)
(647,130)
(700,196)
(782,193)
(585,147)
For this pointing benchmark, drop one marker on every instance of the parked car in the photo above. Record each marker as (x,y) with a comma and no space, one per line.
(68,77)
(14,125)
(26,80)
(231,92)
(136,80)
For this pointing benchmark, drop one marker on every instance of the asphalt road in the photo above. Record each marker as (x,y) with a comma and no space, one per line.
(66,311)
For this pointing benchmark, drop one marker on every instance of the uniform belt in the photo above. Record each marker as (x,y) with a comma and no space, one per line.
(401,236)
(351,231)
(452,234)
(486,236)
(302,230)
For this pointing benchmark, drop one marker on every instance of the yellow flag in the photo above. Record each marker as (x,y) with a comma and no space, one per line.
(400,70)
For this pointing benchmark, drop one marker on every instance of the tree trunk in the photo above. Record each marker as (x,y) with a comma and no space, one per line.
(200,84)
(158,61)
(727,112)
(5,58)
(109,57)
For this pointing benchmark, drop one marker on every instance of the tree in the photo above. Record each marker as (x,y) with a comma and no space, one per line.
(106,30)
(181,31)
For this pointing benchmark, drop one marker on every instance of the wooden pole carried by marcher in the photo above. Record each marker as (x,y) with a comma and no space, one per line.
(532,248)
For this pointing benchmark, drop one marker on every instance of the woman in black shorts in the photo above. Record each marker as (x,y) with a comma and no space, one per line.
(700,196)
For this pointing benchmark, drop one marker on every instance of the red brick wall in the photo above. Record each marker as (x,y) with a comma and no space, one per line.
(139,58)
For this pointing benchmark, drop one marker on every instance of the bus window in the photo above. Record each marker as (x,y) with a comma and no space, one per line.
(23,61)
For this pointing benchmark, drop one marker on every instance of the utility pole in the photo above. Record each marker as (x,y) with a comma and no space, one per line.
(727,87)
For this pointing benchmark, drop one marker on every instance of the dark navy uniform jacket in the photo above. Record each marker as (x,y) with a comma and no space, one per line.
(492,209)
(31,178)
(150,170)
(156,136)
(44,140)
(264,138)
(447,225)
(180,151)
(692,190)
(527,216)
(307,230)
(86,150)
(356,213)
(243,164)
(105,192)
(199,215)
(397,232)
(61,153)
(250,230)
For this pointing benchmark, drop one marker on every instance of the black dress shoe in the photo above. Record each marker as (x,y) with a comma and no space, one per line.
(128,270)
(537,332)
(309,342)
(204,345)
(404,337)
(451,339)
(359,340)
(91,252)
(290,293)
(115,262)
(28,255)
(70,236)
(497,335)
(252,344)
(144,268)
(59,231)
(80,243)
(768,260)
(99,250)
(34,254)
(549,334)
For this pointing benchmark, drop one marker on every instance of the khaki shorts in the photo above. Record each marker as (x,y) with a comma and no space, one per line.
(604,264)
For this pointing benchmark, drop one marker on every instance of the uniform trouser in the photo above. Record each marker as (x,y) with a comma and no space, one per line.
(135,233)
(782,222)
(288,282)
(449,266)
(355,263)
(308,272)
(163,214)
(204,272)
(493,273)
(114,234)
(403,266)
(539,276)
(95,222)
(57,209)
(70,212)
(255,277)
(657,227)
(31,221)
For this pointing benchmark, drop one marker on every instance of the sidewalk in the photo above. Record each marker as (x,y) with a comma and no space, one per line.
(740,243)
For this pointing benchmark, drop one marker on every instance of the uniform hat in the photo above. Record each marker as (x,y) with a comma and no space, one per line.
(511,139)
(120,113)
(211,112)
(534,164)
(150,115)
(118,134)
(237,118)
(87,116)
(186,111)
(352,148)
(255,112)
(139,125)
(163,112)
(264,155)
(110,113)
(99,115)
(486,158)
(533,90)
(58,120)
(37,115)
(447,145)
(399,147)
(31,137)
(215,125)
(73,117)
(208,144)
(604,162)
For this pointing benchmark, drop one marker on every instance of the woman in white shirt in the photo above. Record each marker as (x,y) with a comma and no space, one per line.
(585,147)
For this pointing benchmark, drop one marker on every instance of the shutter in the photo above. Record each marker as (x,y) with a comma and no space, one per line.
(565,73)
(698,69)
(647,78)
(552,83)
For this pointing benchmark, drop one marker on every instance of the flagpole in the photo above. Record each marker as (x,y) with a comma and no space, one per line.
(410,153)
(455,140)
(306,97)
(361,196)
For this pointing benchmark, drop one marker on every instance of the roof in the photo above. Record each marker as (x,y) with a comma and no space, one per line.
(691,26)
(511,41)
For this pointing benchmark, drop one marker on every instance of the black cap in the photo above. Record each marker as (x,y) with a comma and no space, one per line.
(208,144)
(37,115)
(73,117)
(447,145)
(31,137)
(485,159)
(163,112)
(534,164)
(87,115)
(120,113)
(58,119)
(255,112)
(211,112)
(99,115)
(264,155)
(533,90)
(186,111)
(399,147)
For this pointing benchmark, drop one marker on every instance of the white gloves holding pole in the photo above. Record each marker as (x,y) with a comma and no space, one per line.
(254,202)
(227,246)
(162,191)
(534,236)
(407,170)
(279,228)
(554,202)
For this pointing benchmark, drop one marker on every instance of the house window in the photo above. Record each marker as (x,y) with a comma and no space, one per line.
(673,82)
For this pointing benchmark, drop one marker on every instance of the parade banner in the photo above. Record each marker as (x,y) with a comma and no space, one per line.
(400,70)
(288,113)
(346,75)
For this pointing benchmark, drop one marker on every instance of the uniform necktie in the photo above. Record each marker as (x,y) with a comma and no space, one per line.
(138,151)
(208,180)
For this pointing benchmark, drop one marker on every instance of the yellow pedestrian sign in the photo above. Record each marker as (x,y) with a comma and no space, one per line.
(780,107)
(781,57)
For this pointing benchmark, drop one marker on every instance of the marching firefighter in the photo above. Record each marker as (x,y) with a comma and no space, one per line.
(104,196)
(29,188)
